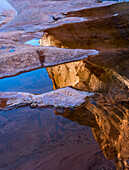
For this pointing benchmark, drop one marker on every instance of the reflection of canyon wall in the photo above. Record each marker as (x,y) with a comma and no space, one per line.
(76,74)
(109,120)
(108,112)
(107,30)
(85,75)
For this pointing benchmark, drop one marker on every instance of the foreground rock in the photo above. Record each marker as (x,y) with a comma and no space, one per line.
(16,58)
(65,97)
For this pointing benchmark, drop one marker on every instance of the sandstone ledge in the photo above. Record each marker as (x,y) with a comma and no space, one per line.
(26,57)
(65,97)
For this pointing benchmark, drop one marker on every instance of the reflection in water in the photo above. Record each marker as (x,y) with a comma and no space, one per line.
(33,42)
(36,81)
(88,76)
(107,113)
(109,120)
(32,138)
(37,139)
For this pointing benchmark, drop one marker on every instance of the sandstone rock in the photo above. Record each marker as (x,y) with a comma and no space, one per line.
(37,15)
(26,57)
(65,97)
(106,28)
(7,12)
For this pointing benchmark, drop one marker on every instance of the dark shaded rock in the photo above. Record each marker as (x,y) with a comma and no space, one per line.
(106,28)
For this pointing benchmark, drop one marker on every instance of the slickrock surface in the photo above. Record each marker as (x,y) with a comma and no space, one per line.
(65,97)
(16,58)
(37,15)
(7,12)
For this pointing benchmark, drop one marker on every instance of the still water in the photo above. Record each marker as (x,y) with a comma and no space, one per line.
(63,139)
(34,138)
(43,139)
(36,81)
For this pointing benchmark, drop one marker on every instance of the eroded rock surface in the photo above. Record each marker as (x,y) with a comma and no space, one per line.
(16,58)
(106,28)
(65,97)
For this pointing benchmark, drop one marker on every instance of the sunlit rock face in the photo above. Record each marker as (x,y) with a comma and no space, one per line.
(108,116)
(85,75)
(105,28)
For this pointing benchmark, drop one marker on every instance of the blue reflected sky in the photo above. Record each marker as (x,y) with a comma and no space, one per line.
(34,42)
(37,81)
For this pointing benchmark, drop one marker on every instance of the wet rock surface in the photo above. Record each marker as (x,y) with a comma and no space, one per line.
(16,58)
(65,97)
(85,45)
